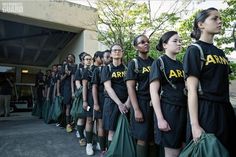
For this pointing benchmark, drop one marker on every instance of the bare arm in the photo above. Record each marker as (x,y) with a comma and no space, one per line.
(58,88)
(134,102)
(192,84)
(85,93)
(154,88)
(72,85)
(48,92)
(95,97)
(114,97)
(77,84)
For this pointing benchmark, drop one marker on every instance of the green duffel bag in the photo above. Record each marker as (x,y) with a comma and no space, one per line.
(122,144)
(56,108)
(207,146)
(77,110)
(48,113)
(44,108)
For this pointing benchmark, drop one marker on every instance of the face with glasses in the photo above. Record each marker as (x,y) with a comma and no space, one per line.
(116,52)
(142,44)
(87,60)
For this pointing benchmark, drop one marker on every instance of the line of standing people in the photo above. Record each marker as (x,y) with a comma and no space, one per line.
(171,119)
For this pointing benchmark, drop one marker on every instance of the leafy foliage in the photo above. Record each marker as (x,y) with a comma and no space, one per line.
(121,20)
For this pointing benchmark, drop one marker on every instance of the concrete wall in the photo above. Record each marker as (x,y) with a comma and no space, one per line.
(84,41)
(63,15)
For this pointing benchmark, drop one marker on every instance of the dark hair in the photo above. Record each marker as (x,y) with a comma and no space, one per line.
(201,17)
(135,41)
(106,51)
(97,54)
(164,39)
(86,54)
(116,44)
(73,56)
(81,55)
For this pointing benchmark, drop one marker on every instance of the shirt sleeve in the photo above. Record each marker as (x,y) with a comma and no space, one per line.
(106,74)
(78,74)
(95,76)
(131,74)
(192,62)
(85,74)
(155,72)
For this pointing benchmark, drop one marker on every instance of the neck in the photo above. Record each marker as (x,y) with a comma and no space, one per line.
(116,62)
(143,55)
(171,55)
(86,66)
(96,64)
(208,38)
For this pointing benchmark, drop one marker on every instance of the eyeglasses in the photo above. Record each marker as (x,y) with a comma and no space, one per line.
(143,42)
(119,50)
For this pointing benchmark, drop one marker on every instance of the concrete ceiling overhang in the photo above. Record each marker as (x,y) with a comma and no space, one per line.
(36,36)
(30,45)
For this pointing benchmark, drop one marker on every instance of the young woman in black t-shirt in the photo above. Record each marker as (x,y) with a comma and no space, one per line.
(116,96)
(88,100)
(137,81)
(209,111)
(98,98)
(68,87)
(85,62)
(167,78)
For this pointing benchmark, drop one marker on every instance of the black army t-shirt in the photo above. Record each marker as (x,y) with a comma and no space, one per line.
(214,74)
(141,76)
(116,75)
(78,74)
(87,75)
(175,74)
(72,68)
(96,78)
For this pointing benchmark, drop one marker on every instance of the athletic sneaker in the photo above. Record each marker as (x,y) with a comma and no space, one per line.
(82,142)
(77,134)
(89,149)
(68,128)
(98,146)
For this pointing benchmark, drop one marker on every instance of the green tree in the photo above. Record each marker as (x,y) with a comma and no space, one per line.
(121,20)
(118,22)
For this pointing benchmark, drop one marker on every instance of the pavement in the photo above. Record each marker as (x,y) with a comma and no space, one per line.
(23,135)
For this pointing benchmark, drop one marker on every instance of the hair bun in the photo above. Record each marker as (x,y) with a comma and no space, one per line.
(159,47)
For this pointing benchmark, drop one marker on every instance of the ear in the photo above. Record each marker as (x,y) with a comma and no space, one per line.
(164,45)
(200,25)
